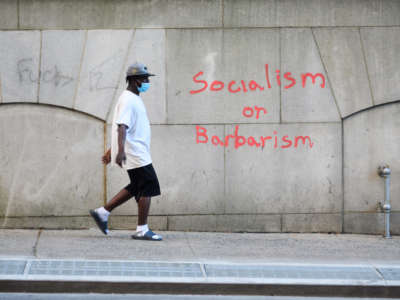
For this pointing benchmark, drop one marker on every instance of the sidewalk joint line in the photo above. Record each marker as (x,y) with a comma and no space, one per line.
(203,269)
(34,249)
(190,246)
(379,273)
(27,267)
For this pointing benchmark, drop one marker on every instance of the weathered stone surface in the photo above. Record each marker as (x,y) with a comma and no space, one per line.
(249,223)
(312,223)
(395,223)
(285,180)
(148,47)
(59,14)
(266,13)
(19,65)
(103,63)
(130,222)
(72,14)
(344,60)
(383,61)
(64,222)
(222,55)
(8,14)
(159,13)
(253,13)
(311,103)
(60,65)
(191,176)
(367,223)
(193,223)
(49,172)
(371,139)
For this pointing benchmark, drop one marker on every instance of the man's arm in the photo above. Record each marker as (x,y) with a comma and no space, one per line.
(106,157)
(121,144)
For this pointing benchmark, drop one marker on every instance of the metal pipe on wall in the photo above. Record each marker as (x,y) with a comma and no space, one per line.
(384,172)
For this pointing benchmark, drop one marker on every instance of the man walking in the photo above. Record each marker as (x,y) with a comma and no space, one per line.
(130,149)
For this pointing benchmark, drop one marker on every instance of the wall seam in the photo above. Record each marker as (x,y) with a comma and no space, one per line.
(1,92)
(371,107)
(55,106)
(280,68)
(254,123)
(203,214)
(78,80)
(166,76)
(212,27)
(225,149)
(18,15)
(167,222)
(104,165)
(343,181)
(121,77)
(40,66)
(199,28)
(223,13)
(326,72)
(366,67)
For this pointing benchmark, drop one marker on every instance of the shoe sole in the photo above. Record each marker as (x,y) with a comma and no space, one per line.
(144,238)
(99,223)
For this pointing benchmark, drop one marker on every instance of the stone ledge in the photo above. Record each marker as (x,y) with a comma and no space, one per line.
(69,14)
(8,14)
(370,223)
(356,223)
(312,223)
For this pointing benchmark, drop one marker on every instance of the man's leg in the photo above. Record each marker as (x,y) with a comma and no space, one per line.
(118,199)
(100,215)
(142,230)
(143,209)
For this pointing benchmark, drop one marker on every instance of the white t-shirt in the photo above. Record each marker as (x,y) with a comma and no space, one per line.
(131,111)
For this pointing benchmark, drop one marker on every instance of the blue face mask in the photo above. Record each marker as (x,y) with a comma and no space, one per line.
(144,87)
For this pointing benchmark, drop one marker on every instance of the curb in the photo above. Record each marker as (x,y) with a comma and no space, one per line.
(206,278)
(180,288)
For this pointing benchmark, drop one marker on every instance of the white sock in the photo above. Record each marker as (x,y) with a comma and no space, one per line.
(143,228)
(103,213)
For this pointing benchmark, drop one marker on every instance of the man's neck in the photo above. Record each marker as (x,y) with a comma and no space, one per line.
(133,89)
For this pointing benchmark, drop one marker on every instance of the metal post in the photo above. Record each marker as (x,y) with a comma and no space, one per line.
(384,171)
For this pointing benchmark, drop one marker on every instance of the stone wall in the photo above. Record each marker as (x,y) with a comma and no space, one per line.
(309,159)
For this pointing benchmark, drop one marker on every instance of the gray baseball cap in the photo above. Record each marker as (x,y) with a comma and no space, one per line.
(138,69)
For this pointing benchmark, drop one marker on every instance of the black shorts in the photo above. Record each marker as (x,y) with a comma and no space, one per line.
(144,182)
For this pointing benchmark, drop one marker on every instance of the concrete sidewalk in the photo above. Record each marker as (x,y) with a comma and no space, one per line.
(200,263)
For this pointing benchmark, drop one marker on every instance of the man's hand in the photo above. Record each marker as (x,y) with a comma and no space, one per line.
(106,159)
(121,157)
